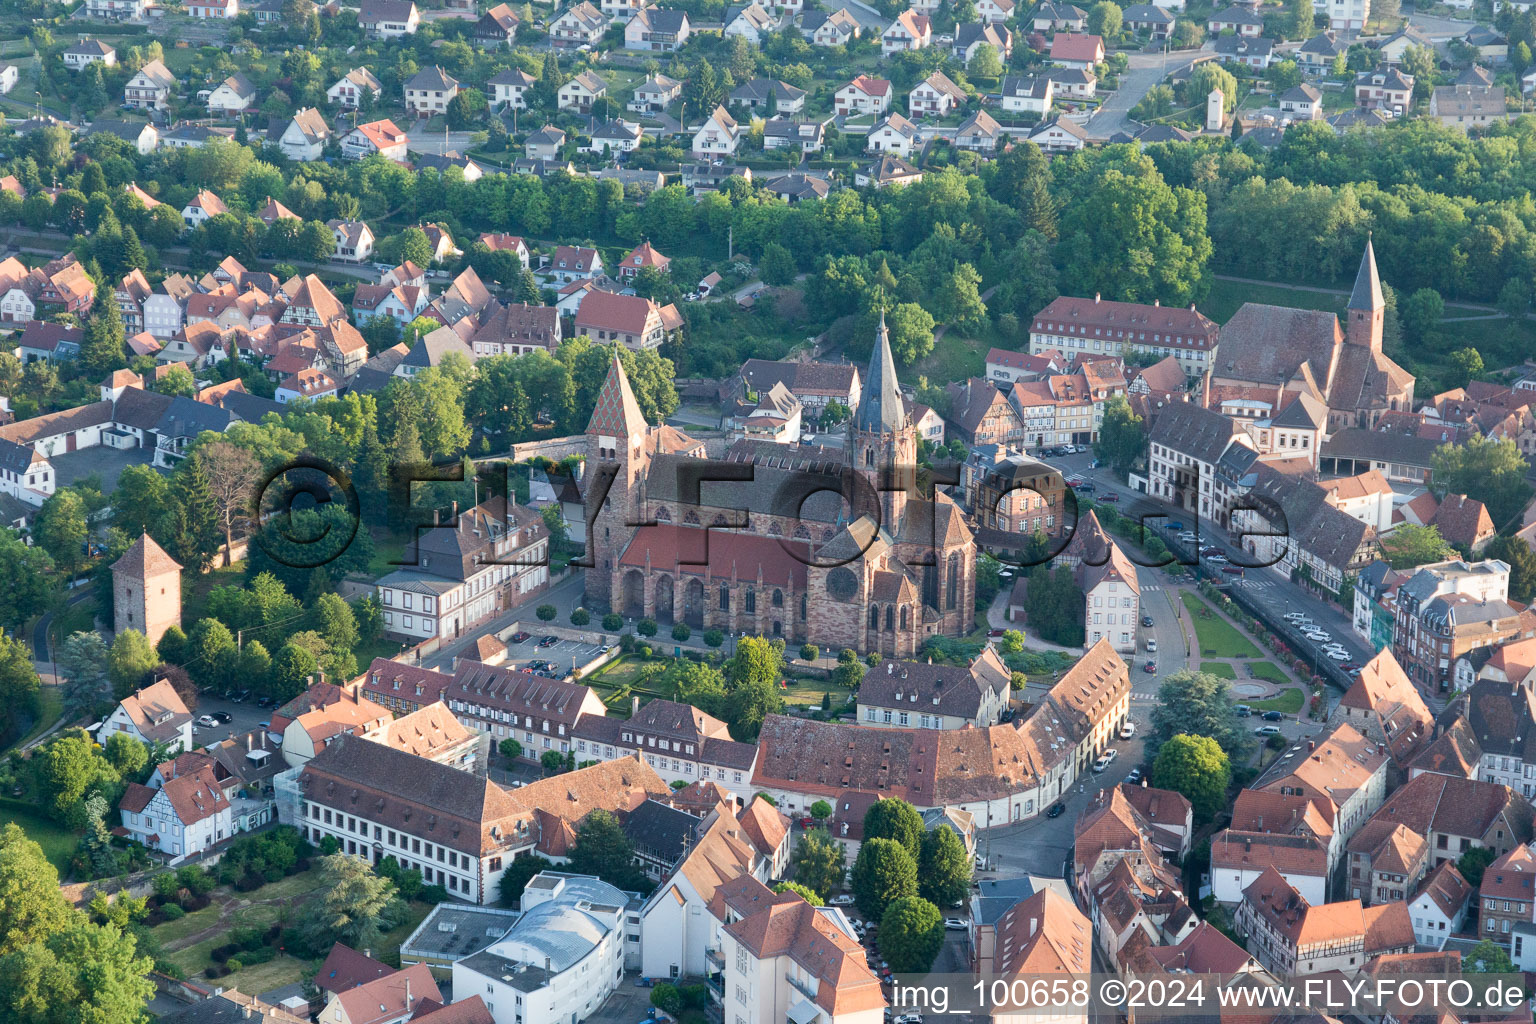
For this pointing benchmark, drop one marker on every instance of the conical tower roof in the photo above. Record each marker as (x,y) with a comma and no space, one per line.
(1367,293)
(616,414)
(145,558)
(881,409)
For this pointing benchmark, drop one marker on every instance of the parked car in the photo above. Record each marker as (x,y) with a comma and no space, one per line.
(239,695)
(1152,643)
(807,822)
(1216,559)
(1231,570)
(223,717)
(955,924)
(1056,810)
(1273,716)
(1086,485)
(207,721)
(1267,730)
(1128,730)
(1242,710)
(1109,496)
(1338,655)
(1150,668)
(1146,620)
(549,641)
(518,637)
(1134,776)
(842,899)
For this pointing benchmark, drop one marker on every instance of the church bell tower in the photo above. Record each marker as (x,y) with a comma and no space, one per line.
(882,442)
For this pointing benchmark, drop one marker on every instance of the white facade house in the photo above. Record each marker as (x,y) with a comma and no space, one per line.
(150,87)
(235,95)
(181,816)
(163,315)
(560,961)
(1348,15)
(717,137)
(1440,906)
(25,474)
(430,92)
(155,714)
(305,136)
(349,89)
(509,89)
(895,134)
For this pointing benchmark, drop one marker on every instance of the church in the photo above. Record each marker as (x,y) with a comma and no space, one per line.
(774,540)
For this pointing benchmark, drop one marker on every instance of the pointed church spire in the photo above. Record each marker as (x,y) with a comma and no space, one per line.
(1367,294)
(616,413)
(881,409)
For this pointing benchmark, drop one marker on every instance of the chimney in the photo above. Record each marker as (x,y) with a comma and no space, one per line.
(407,992)
(634,706)
(1311,745)
(1156,303)
(1095,298)
(436,517)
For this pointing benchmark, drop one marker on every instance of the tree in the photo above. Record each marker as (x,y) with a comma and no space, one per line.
(985,62)
(883,872)
(747,704)
(804,892)
(1197,767)
(194,532)
(896,820)
(1301,18)
(1487,957)
(291,669)
(352,905)
(415,246)
(1491,471)
(31,906)
(517,875)
(602,849)
(19,685)
(818,862)
(1104,19)
(1208,76)
(510,749)
(1122,435)
(332,618)
(61,530)
(213,652)
(232,474)
(68,771)
(943,867)
(551,761)
(1466,365)
(29,581)
(1196,704)
(1411,545)
(809,652)
(126,754)
(101,348)
(911,331)
(465,109)
(140,501)
(777,265)
(82,661)
(911,934)
(1419,314)
(1283,75)
(1473,863)
(1517,554)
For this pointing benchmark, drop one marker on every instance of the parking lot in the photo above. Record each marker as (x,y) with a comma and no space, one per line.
(563,655)
(245,717)
(629,1004)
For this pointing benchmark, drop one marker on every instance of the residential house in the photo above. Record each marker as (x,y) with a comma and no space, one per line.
(381,137)
(394,998)
(349,90)
(1316,55)
(615,136)
(752,22)
(786,133)
(1302,102)
(311,385)
(305,136)
(544,144)
(116,10)
(836,29)
(769,95)
(578,27)
(1148,19)
(509,89)
(1072,83)
(1387,88)
(894,134)
(640,257)
(497,27)
(206,9)
(656,30)
(1052,17)
(1077,50)
(430,91)
(979,133)
(1348,15)
(718,137)
(574,263)
(354,240)
(1507,895)
(995,12)
(1255,52)
(1290,936)
(934,96)
(863,96)
(88,51)
(657,92)
(629,320)
(150,87)
(517,329)
(140,134)
(1027,94)
(388,19)
(1439,907)
(910,31)
(582,91)
(1237,20)
(971,37)
(185,814)
(925,696)
(1467,106)
(232,97)
(152,715)
(1059,136)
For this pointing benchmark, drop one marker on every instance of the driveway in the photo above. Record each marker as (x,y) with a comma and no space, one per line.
(106,463)
(437,143)
(1145,71)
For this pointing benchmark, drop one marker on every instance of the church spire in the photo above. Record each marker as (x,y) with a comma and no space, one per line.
(616,413)
(881,409)
(1367,294)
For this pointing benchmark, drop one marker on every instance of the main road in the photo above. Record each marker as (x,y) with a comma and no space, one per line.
(1143,72)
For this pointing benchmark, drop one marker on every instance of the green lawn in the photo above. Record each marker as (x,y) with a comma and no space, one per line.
(58,843)
(1217,637)
(1289,701)
(1219,668)
(1268,671)
(50,708)
(954,357)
